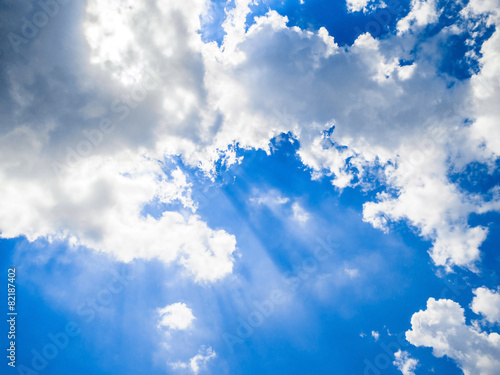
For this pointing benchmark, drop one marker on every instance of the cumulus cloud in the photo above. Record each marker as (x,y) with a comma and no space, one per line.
(416,160)
(175,316)
(442,327)
(356,5)
(107,197)
(486,302)
(422,13)
(84,150)
(405,363)
(485,85)
(85,131)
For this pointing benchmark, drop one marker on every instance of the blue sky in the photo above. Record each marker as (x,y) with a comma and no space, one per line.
(251,187)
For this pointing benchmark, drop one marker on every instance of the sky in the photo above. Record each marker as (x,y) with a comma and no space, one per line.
(250,187)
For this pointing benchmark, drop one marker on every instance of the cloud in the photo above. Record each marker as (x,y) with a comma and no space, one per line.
(176,316)
(486,302)
(485,85)
(352,272)
(196,363)
(270,199)
(78,166)
(85,132)
(421,167)
(422,13)
(455,242)
(108,196)
(405,363)
(442,327)
(299,214)
(277,203)
(424,144)
(364,5)
(356,5)
(198,100)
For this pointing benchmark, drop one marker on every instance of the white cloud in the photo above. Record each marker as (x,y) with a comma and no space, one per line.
(176,189)
(261,82)
(486,302)
(406,122)
(70,179)
(356,5)
(375,335)
(364,5)
(175,316)
(272,198)
(352,272)
(108,196)
(485,85)
(299,214)
(439,217)
(422,13)
(383,94)
(198,362)
(442,327)
(405,363)
(276,202)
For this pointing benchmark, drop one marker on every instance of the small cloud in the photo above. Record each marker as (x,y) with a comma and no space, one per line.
(362,334)
(352,272)
(486,302)
(356,5)
(196,363)
(375,335)
(405,363)
(280,205)
(176,316)
(299,214)
(272,198)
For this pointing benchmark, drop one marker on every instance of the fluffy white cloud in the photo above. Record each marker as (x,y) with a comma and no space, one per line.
(175,316)
(442,327)
(356,5)
(422,13)
(99,204)
(485,85)
(405,363)
(83,154)
(364,5)
(196,363)
(375,335)
(486,302)
(437,209)
(375,94)
(425,196)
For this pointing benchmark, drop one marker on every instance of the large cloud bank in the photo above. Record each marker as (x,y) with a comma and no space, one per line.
(87,128)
